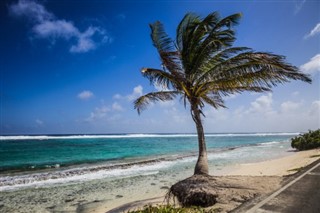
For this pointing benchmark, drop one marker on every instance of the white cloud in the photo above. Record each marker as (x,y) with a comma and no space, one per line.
(315,110)
(265,115)
(314,31)
(138,90)
(176,116)
(136,93)
(312,66)
(262,104)
(105,113)
(56,29)
(217,115)
(290,106)
(98,113)
(85,41)
(254,116)
(47,26)
(83,45)
(117,107)
(32,10)
(85,95)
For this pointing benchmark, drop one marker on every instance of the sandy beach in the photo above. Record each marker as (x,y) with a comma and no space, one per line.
(246,181)
(278,167)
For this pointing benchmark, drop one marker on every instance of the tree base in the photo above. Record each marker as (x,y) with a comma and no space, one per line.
(198,190)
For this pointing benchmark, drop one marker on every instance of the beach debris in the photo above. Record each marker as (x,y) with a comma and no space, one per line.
(164,187)
(69,200)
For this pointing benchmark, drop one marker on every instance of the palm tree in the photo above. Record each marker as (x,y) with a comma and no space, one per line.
(201,67)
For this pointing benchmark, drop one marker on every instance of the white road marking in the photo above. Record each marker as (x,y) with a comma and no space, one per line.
(260,204)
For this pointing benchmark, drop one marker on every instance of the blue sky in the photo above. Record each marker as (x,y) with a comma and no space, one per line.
(74,66)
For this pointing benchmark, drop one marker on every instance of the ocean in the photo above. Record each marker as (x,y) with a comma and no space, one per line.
(44,160)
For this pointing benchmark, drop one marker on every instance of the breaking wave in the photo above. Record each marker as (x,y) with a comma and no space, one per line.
(47,137)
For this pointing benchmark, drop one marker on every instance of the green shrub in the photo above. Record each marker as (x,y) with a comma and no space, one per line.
(306,141)
(171,209)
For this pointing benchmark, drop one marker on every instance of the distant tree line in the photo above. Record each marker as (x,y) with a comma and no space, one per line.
(309,140)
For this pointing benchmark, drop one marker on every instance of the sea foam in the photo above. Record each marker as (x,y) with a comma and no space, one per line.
(132,169)
(47,137)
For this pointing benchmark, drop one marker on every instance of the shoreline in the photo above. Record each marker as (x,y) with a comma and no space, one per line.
(271,171)
(219,160)
(103,195)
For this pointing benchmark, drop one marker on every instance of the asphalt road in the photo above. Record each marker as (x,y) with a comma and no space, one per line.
(300,195)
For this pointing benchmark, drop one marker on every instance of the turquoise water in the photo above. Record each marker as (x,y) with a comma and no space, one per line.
(36,152)
(32,160)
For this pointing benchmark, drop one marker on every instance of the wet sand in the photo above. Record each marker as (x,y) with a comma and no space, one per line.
(103,195)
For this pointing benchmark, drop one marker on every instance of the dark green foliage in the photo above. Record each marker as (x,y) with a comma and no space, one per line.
(306,141)
(171,209)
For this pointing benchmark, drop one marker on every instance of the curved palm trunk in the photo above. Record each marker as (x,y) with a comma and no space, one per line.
(202,163)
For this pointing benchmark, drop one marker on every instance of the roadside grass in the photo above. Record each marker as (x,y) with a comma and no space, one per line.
(295,169)
(172,209)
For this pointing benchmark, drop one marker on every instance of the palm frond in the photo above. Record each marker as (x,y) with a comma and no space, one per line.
(171,61)
(142,102)
(256,68)
(207,24)
(185,37)
(219,57)
(214,100)
(160,38)
(169,55)
(219,36)
(260,65)
(160,77)
(230,87)
(229,90)
(183,30)
(201,31)
(229,21)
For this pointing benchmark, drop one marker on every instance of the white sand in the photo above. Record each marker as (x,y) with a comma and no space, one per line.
(277,167)
(103,195)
